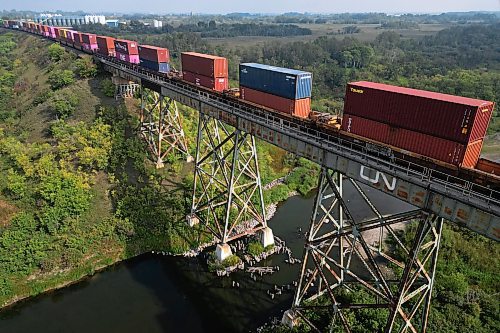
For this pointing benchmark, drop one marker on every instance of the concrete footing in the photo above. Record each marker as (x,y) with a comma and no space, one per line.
(222,251)
(190,159)
(266,237)
(290,319)
(192,220)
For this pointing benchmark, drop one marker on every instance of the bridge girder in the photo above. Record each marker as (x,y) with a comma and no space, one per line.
(393,275)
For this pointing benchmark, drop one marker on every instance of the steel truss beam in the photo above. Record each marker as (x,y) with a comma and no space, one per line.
(227,195)
(161,126)
(352,266)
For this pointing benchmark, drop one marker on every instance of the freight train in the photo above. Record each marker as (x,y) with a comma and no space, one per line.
(437,131)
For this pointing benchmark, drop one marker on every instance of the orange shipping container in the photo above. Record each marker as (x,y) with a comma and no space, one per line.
(296,107)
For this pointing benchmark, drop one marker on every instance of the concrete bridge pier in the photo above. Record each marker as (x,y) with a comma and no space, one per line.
(222,251)
(266,237)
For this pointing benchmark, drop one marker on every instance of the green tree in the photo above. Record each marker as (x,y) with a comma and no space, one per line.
(56,52)
(61,78)
(85,67)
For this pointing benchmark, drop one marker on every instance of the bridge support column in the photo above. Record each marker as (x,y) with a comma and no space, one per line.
(352,267)
(161,126)
(227,194)
(124,88)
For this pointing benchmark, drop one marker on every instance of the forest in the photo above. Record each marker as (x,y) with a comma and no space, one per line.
(78,179)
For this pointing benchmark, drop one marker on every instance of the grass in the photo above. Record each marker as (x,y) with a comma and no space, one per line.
(368,33)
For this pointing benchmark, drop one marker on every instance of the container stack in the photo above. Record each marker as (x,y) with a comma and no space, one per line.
(70,36)
(440,126)
(205,70)
(127,50)
(106,46)
(77,40)
(154,58)
(52,32)
(281,89)
(89,41)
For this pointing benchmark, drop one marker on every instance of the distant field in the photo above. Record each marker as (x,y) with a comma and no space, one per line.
(368,33)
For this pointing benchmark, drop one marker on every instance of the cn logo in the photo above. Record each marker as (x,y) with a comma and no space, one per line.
(391,186)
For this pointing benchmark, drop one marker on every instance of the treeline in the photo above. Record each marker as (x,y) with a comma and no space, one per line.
(205,29)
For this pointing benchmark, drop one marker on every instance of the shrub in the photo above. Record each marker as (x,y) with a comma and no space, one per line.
(56,52)
(85,67)
(64,104)
(108,88)
(255,248)
(61,78)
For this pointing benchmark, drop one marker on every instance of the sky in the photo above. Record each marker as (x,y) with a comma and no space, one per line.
(253,6)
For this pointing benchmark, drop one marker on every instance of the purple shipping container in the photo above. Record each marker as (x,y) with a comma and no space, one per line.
(131,58)
(455,118)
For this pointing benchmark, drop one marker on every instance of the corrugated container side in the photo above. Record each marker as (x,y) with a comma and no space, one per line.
(162,67)
(297,107)
(448,151)
(89,47)
(154,53)
(217,83)
(77,38)
(131,58)
(89,38)
(481,122)
(105,45)
(472,154)
(366,128)
(284,82)
(441,118)
(204,64)
(129,47)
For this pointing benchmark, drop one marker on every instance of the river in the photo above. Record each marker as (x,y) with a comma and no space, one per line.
(154,293)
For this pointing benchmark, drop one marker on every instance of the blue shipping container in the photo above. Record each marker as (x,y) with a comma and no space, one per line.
(284,82)
(162,67)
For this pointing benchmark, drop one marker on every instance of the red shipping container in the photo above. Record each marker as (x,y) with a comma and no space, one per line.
(106,45)
(89,38)
(415,142)
(297,107)
(217,84)
(450,117)
(124,46)
(154,53)
(204,64)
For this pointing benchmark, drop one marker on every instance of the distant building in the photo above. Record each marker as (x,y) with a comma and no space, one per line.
(112,23)
(157,24)
(57,20)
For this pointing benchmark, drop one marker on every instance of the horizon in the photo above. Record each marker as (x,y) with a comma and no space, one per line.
(224,7)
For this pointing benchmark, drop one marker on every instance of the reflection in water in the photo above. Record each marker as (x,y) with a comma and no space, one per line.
(164,294)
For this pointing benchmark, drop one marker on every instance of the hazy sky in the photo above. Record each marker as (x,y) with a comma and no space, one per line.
(254,6)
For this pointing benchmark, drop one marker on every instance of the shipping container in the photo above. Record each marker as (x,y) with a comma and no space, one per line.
(204,64)
(53,32)
(154,53)
(124,46)
(89,38)
(106,45)
(296,107)
(448,151)
(450,117)
(89,47)
(162,67)
(131,58)
(77,40)
(217,83)
(284,82)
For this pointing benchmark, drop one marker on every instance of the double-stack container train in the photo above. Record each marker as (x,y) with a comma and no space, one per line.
(434,130)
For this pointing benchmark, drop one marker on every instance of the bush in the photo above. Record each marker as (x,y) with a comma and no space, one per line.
(61,78)
(85,67)
(255,248)
(64,104)
(56,52)
(108,88)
